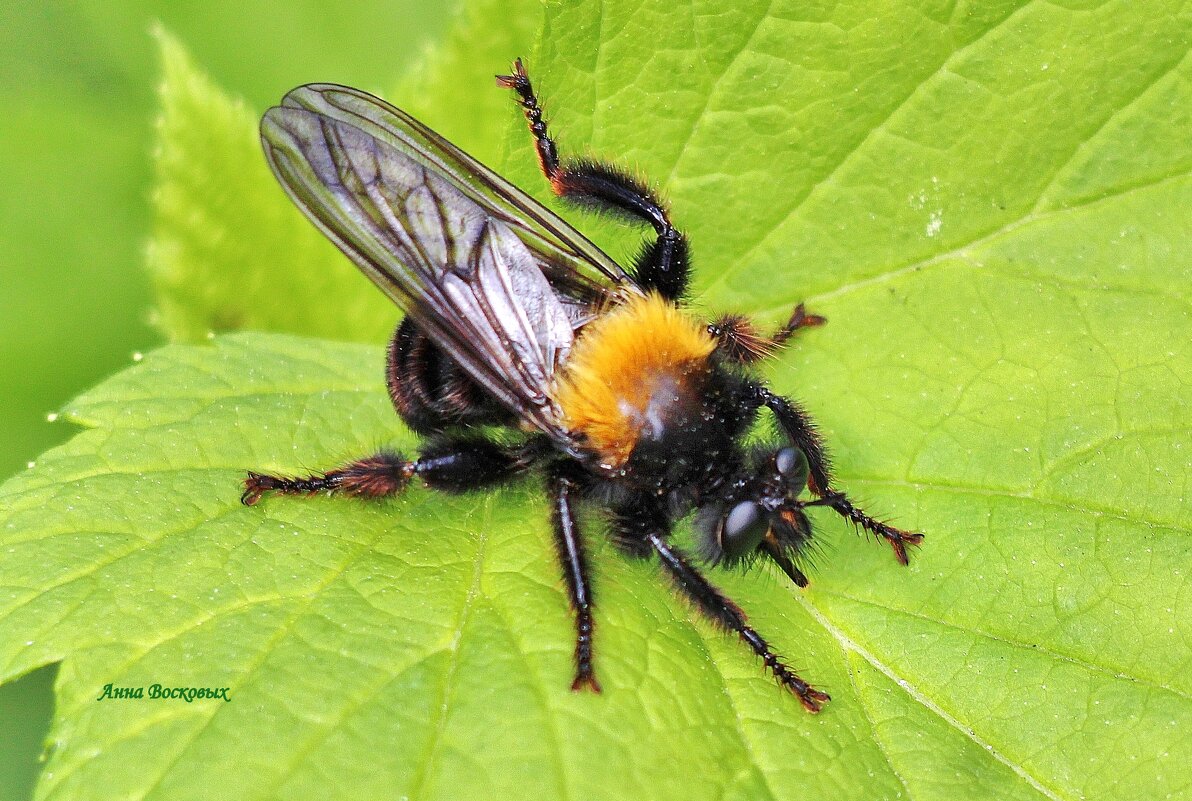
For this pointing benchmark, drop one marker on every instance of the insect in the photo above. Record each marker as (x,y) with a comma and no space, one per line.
(526,349)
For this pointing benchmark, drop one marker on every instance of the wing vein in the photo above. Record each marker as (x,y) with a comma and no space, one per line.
(498,283)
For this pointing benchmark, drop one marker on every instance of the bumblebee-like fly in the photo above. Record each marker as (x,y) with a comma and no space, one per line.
(525,348)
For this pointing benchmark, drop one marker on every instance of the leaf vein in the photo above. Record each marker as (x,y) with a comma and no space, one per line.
(265,651)
(1027,647)
(701,641)
(440,723)
(1082,146)
(964,251)
(702,113)
(847,643)
(1115,514)
(853,151)
(541,691)
(877,737)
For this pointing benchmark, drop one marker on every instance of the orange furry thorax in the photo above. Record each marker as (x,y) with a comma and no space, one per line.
(626,366)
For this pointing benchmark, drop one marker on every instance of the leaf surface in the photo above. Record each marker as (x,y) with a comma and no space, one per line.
(989,205)
(229,251)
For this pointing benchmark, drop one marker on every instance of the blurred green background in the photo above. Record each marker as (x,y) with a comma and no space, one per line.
(78,93)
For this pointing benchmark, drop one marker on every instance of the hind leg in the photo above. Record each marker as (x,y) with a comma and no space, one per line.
(450,464)
(430,391)
(664,263)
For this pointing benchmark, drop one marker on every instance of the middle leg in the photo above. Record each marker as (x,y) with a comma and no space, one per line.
(574,561)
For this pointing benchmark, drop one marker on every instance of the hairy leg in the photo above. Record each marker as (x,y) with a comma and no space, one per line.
(799,319)
(738,339)
(574,561)
(713,603)
(450,464)
(664,263)
(798,427)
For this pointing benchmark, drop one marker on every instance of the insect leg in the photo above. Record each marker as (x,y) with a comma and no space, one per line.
(720,609)
(798,427)
(739,340)
(664,264)
(799,319)
(570,547)
(449,464)
(429,390)
(548,154)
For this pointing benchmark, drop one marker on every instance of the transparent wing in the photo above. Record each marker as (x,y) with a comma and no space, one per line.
(574,266)
(496,280)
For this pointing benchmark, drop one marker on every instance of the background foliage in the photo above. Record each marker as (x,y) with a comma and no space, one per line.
(993,223)
(78,98)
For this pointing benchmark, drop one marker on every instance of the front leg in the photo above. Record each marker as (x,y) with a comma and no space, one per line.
(713,603)
(450,464)
(640,527)
(797,426)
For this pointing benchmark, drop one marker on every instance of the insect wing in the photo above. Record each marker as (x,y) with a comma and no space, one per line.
(458,267)
(574,265)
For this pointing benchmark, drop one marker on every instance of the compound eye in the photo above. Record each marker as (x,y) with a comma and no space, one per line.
(791,464)
(744,526)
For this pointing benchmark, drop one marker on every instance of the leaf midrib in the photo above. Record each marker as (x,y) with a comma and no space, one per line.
(847,644)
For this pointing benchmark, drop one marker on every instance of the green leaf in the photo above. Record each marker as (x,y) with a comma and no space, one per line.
(988,203)
(453,90)
(229,250)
